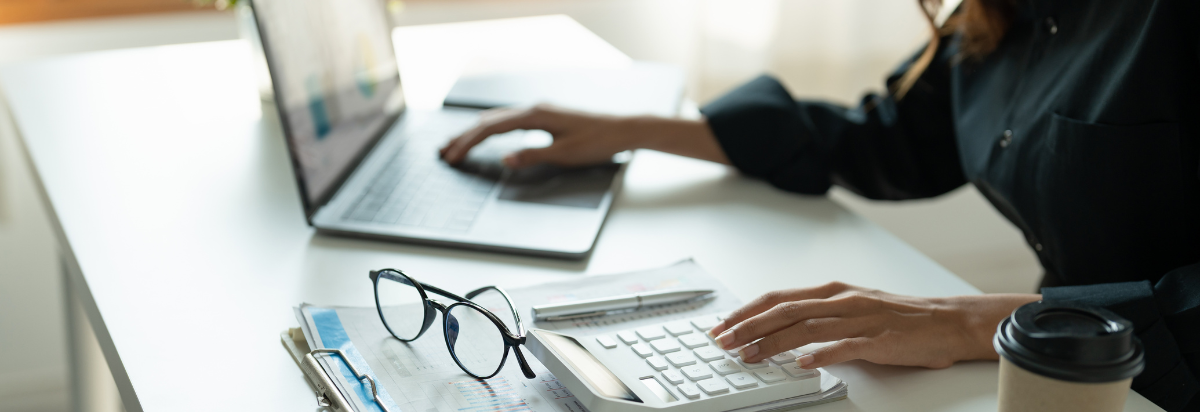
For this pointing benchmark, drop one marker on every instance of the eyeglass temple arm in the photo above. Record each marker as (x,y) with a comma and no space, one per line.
(520,327)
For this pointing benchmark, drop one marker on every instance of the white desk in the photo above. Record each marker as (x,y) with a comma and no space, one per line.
(179,219)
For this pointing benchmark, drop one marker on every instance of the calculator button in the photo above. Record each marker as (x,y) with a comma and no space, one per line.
(770,375)
(709,353)
(657,363)
(651,332)
(725,366)
(694,340)
(606,342)
(742,380)
(783,358)
(678,328)
(713,387)
(642,350)
(628,337)
(797,372)
(689,391)
(755,365)
(665,346)
(673,376)
(681,359)
(705,323)
(695,373)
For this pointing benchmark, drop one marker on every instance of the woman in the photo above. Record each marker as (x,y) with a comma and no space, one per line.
(1076,119)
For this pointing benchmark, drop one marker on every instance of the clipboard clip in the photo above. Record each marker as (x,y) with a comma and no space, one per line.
(328,394)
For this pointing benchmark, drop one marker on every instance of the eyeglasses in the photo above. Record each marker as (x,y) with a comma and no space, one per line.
(478,338)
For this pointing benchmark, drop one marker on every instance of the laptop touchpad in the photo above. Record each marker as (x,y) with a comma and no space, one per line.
(574,187)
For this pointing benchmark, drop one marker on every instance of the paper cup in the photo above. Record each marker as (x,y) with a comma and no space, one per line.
(1065,357)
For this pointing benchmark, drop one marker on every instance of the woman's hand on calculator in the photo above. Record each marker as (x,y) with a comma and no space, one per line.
(867,324)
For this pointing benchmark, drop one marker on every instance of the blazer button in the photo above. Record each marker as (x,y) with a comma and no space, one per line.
(1038,247)
(1006,138)
(1051,26)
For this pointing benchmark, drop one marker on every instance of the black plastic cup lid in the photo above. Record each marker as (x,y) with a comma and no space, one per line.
(1070,342)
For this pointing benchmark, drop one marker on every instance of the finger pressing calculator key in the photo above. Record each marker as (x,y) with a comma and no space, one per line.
(783,358)
(755,365)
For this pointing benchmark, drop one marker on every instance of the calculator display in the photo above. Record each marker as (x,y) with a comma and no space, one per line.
(658,390)
(588,367)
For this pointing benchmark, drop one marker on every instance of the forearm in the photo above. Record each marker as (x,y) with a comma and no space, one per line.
(690,138)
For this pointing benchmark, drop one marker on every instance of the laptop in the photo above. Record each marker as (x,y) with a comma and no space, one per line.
(368,167)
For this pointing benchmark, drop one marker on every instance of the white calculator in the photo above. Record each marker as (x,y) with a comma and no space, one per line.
(669,366)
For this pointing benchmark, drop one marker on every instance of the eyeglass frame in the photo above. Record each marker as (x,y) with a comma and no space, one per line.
(431,308)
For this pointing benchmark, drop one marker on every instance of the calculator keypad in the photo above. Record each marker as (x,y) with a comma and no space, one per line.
(689,361)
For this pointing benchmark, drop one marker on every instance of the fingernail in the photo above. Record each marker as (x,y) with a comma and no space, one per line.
(805,360)
(712,333)
(748,351)
(725,340)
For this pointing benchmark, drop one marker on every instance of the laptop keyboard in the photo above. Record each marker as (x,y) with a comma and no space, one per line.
(417,189)
(689,363)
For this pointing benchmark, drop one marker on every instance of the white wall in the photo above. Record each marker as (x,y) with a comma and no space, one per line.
(829,49)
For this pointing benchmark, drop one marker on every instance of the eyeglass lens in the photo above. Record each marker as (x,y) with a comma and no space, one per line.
(400,305)
(494,301)
(476,342)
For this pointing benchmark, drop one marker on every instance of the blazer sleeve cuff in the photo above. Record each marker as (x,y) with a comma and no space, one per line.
(762,131)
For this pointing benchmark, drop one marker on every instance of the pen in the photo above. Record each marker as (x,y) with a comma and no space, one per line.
(622,303)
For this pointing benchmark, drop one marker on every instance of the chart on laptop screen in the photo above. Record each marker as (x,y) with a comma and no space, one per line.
(335,75)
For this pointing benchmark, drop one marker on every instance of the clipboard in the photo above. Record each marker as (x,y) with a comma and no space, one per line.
(329,395)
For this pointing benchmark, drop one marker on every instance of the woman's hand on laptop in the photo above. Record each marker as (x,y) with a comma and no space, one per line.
(582,139)
(867,324)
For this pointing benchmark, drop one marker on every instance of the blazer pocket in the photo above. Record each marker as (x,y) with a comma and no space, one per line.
(1112,176)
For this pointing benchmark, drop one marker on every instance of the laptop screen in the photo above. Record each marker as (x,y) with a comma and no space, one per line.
(336,84)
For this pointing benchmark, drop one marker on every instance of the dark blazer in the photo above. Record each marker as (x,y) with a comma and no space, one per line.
(1082,128)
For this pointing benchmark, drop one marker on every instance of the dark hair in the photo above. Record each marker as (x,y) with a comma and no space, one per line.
(981,25)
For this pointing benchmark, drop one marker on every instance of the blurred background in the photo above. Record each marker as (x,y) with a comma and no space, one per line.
(832,50)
